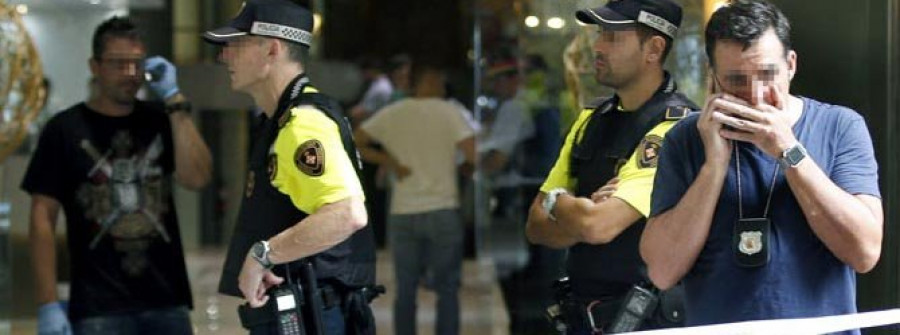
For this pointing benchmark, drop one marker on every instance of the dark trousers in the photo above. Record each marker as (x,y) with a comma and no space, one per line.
(422,242)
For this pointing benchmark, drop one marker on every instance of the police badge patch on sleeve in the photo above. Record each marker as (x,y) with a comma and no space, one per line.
(310,158)
(649,151)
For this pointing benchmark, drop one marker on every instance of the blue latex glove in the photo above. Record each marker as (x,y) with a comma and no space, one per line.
(164,83)
(52,319)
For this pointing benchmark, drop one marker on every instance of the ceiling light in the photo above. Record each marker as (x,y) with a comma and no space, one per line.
(532,21)
(317,23)
(556,23)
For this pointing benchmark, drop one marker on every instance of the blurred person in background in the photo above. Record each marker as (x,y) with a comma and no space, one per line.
(399,67)
(420,136)
(379,90)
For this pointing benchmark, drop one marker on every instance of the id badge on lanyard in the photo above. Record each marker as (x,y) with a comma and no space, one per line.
(751,236)
(751,241)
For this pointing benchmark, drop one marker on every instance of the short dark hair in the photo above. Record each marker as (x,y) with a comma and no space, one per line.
(297,52)
(645,33)
(744,21)
(397,61)
(115,27)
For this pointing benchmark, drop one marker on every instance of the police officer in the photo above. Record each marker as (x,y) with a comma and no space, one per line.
(303,205)
(596,198)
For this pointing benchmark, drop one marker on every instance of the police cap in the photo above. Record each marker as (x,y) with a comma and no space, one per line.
(283,19)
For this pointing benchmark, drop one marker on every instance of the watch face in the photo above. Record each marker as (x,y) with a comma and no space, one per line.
(794,155)
(258,250)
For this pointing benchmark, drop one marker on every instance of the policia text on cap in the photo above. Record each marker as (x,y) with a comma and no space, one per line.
(302,254)
(596,198)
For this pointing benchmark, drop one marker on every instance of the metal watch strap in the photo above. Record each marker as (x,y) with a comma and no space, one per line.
(550,202)
(792,156)
(260,252)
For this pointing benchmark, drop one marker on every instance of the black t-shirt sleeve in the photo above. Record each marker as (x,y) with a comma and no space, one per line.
(45,170)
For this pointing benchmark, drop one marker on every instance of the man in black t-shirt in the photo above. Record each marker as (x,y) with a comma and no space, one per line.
(108,163)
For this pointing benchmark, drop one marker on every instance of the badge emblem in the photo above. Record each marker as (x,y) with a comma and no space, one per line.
(751,242)
(310,158)
(649,151)
(272,169)
(251,182)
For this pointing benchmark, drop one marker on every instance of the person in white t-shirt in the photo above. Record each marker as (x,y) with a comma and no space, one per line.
(379,91)
(420,137)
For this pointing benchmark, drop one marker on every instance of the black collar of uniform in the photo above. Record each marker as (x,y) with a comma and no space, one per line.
(291,92)
(668,86)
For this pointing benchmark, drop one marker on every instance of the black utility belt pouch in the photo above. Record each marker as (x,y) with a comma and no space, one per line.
(751,241)
(359,317)
(283,309)
(638,306)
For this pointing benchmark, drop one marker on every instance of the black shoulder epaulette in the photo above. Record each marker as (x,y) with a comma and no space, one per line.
(675,113)
(314,101)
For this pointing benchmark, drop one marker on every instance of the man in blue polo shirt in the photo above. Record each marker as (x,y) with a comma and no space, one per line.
(765,204)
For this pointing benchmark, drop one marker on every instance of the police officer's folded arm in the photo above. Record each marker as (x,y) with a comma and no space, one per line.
(595,223)
(540,229)
(620,202)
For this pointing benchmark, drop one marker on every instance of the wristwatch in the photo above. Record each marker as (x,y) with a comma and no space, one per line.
(260,252)
(791,157)
(550,201)
(183,106)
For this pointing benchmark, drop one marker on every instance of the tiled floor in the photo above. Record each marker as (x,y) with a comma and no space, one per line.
(481,302)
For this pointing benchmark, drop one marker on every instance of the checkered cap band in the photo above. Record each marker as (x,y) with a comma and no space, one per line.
(281,31)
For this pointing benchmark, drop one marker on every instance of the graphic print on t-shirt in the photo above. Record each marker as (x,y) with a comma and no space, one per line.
(125,198)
